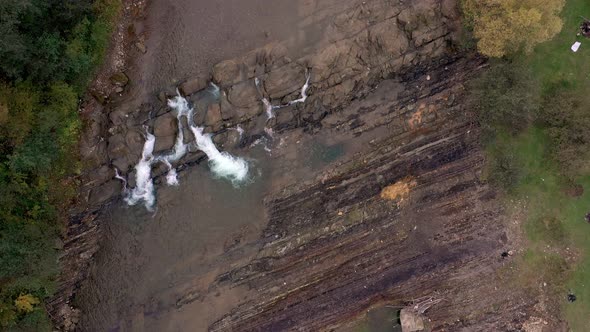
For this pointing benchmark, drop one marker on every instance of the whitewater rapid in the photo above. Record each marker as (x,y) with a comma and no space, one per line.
(222,164)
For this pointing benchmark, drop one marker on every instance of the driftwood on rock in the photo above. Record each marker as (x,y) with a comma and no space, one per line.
(411,320)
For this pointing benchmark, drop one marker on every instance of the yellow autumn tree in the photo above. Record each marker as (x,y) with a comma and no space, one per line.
(25,303)
(505,26)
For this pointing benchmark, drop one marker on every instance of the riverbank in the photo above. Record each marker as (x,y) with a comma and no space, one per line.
(373,191)
(542,165)
(48,58)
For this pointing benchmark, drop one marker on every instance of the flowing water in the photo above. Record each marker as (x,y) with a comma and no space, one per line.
(180,233)
(223,164)
(147,256)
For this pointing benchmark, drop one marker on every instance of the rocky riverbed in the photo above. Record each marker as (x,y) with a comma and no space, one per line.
(368,193)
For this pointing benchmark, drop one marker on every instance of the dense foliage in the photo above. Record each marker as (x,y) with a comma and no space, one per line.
(48,51)
(503,27)
(534,109)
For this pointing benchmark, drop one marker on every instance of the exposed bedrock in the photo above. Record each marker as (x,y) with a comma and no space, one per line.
(361,45)
(407,218)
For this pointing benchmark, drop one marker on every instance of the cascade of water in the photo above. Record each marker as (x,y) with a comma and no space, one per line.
(144,186)
(240,130)
(269,108)
(215,91)
(303,91)
(122,179)
(171,176)
(222,163)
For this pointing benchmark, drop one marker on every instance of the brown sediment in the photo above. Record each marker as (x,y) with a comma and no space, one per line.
(399,191)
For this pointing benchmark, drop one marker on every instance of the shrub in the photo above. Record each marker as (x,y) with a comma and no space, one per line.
(506,96)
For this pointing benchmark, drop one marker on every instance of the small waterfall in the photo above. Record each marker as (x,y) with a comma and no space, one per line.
(269,108)
(303,91)
(222,163)
(144,186)
(215,91)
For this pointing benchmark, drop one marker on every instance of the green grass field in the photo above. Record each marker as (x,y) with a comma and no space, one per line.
(553,61)
(556,220)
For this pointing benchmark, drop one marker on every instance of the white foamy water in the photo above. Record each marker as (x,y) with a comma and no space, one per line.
(222,163)
(215,91)
(269,108)
(144,186)
(303,91)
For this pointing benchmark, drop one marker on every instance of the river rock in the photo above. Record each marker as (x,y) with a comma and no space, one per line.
(141,47)
(243,114)
(119,79)
(213,117)
(283,116)
(193,157)
(165,125)
(117,146)
(98,176)
(220,139)
(164,143)
(227,73)
(105,192)
(411,321)
(233,139)
(193,85)
(284,81)
(118,117)
(227,111)
(135,141)
(124,163)
(243,94)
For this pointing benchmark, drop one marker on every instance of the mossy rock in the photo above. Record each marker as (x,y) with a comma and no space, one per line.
(119,79)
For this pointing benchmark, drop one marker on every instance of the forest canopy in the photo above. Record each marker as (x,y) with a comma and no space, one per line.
(48,52)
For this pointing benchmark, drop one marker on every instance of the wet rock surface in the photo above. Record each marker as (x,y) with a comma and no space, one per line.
(332,246)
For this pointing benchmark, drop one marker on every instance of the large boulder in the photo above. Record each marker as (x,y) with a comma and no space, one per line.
(193,85)
(135,141)
(227,110)
(285,80)
(227,73)
(213,117)
(105,192)
(411,320)
(164,143)
(117,146)
(98,176)
(387,40)
(165,125)
(243,94)
(119,79)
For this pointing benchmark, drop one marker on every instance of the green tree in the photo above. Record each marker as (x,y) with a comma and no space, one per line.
(48,51)
(504,27)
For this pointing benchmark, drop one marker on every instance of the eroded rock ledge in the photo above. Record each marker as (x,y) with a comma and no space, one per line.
(363,45)
(337,246)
